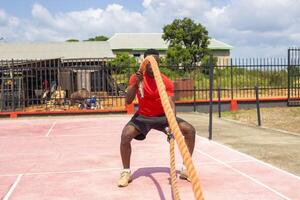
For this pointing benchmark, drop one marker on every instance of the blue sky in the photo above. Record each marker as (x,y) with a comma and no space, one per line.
(255,28)
(22,8)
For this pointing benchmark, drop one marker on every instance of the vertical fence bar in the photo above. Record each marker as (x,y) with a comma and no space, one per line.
(194,101)
(264,84)
(243,81)
(1,84)
(292,57)
(27,84)
(257,106)
(219,101)
(36,82)
(289,81)
(238,66)
(13,85)
(231,77)
(211,84)
(284,86)
(50,82)
(298,74)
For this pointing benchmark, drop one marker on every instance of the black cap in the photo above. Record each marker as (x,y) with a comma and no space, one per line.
(151,52)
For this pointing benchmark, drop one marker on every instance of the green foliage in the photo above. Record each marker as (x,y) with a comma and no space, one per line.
(72,40)
(123,62)
(239,79)
(123,59)
(188,42)
(173,73)
(163,61)
(294,70)
(176,55)
(205,63)
(98,38)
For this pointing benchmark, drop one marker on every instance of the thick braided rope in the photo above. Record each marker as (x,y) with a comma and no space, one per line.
(187,160)
(173,175)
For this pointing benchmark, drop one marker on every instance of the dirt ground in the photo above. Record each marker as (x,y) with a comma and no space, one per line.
(276,147)
(284,118)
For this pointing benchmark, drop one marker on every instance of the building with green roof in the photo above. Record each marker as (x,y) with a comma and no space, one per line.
(136,43)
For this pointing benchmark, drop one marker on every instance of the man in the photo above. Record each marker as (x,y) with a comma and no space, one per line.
(150,115)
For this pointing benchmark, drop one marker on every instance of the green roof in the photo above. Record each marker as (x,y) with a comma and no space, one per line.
(143,41)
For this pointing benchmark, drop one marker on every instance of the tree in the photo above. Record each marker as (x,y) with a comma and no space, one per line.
(188,42)
(124,61)
(205,63)
(98,38)
(72,40)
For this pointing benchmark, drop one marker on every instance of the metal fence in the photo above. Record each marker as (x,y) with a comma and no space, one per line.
(236,78)
(58,84)
(294,77)
(72,84)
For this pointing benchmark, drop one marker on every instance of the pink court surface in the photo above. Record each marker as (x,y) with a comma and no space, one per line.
(78,158)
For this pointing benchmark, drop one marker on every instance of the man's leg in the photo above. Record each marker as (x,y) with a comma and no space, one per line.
(128,133)
(189,133)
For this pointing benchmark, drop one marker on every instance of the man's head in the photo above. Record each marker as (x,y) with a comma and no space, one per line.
(155,54)
(152,52)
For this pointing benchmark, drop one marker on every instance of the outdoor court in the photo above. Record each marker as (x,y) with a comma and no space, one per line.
(78,158)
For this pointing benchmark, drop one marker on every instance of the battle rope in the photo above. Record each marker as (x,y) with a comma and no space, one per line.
(187,160)
(172,165)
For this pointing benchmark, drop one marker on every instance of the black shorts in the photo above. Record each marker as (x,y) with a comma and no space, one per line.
(144,124)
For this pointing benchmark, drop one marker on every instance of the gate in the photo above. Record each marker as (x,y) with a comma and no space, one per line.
(11,87)
(61,84)
(294,77)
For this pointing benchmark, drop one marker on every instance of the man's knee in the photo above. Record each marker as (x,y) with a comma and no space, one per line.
(187,129)
(128,134)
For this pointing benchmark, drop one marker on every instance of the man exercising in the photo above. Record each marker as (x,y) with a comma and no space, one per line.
(150,115)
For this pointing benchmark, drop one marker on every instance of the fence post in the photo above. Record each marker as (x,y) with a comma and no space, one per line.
(231,78)
(288,69)
(194,103)
(211,85)
(13,85)
(257,106)
(233,102)
(219,101)
(1,93)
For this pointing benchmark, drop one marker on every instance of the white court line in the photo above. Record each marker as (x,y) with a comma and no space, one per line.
(12,188)
(49,131)
(229,162)
(248,156)
(39,136)
(83,170)
(245,175)
(112,169)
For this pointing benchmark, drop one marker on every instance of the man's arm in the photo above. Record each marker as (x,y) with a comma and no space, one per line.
(172,102)
(131,91)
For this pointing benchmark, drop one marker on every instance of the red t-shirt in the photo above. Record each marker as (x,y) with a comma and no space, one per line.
(150,105)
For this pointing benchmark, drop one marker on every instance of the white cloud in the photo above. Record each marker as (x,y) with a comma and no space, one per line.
(251,26)
(146,3)
(264,16)
(255,25)
(42,14)
(170,9)
(8,25)
(77,24)
(7,20)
